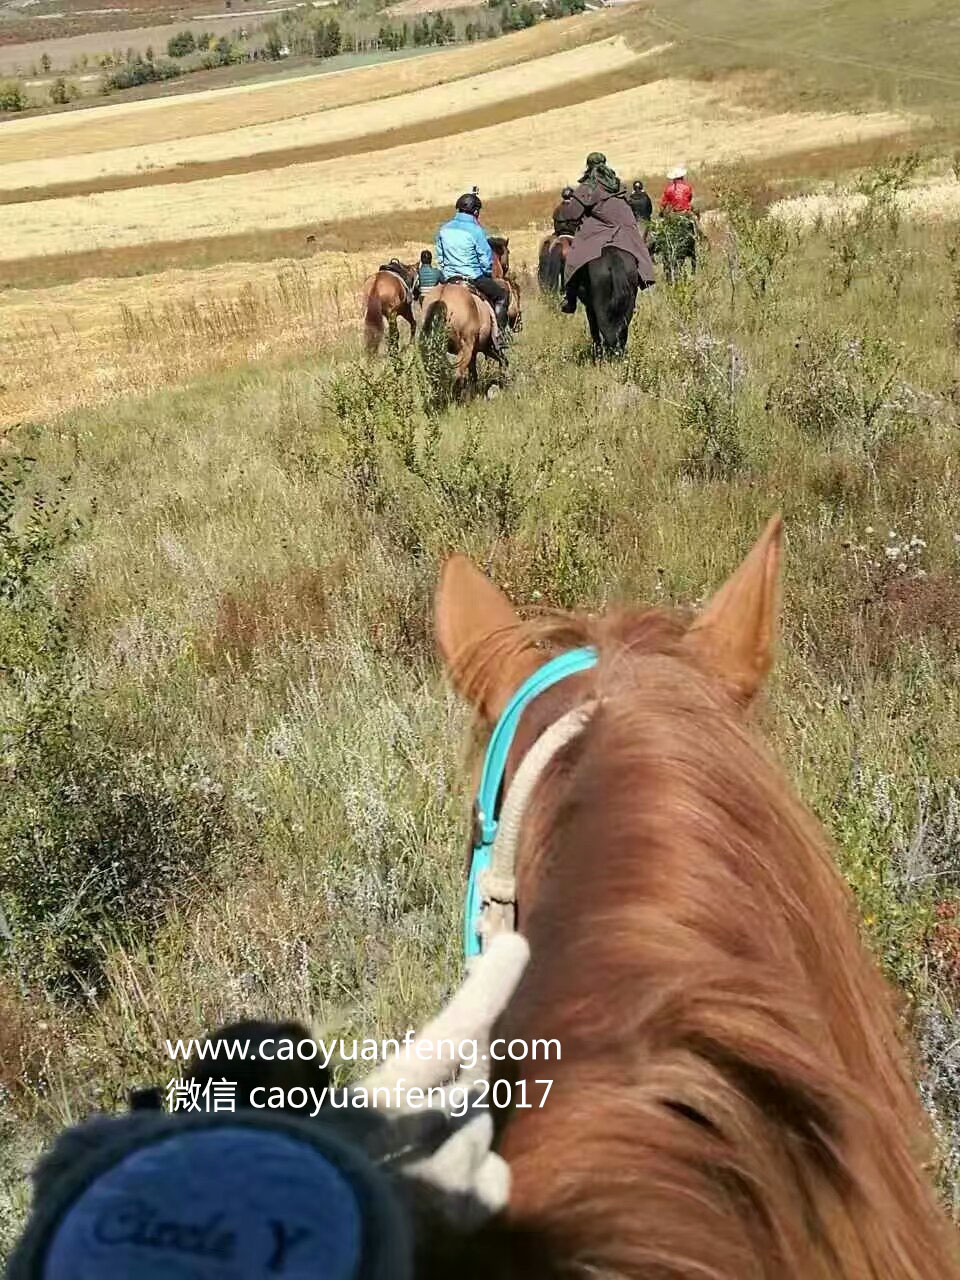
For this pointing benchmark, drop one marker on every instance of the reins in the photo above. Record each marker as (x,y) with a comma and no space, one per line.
(491,890)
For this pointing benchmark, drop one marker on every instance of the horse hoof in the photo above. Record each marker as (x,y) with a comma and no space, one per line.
(492,392)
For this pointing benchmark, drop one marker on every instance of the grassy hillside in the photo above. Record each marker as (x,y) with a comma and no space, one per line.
(233,774)
(852,53)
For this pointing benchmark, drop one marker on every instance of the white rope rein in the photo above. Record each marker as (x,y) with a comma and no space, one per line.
(498,884)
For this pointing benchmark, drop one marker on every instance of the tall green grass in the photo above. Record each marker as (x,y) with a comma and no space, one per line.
(234,777)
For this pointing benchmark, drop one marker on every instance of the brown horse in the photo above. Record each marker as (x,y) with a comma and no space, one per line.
(553,256)
(469,324)
(732,1101)
(386,295)
(500,245)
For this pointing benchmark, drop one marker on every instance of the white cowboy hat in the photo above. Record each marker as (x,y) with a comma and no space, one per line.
(679,172)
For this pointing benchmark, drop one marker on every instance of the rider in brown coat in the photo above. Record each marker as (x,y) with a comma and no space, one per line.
(605,219)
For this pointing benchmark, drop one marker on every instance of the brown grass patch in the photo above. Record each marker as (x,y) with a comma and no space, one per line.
(924,607)
(22,1056)
(265,612)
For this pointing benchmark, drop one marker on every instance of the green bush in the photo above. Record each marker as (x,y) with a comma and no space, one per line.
(94,840)
(12,96)
(181,44)
(839,384)
(138,72)
(62,92)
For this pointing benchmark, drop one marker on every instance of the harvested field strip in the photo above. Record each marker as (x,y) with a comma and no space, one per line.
(161,120)
(681,119)
(779,175)
(365,234)
(494,98)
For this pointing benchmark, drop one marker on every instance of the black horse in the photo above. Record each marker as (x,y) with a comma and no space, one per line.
(608,287)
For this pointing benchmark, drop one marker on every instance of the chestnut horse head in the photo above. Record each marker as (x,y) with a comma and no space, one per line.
(732,1100)
(500,247)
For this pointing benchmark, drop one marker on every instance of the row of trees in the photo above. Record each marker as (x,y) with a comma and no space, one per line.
(515,16)
(312,36)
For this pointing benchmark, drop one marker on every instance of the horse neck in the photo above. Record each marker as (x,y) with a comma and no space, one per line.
(694,953)
(497,269)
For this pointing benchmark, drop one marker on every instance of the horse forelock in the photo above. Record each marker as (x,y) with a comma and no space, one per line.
(731,1100)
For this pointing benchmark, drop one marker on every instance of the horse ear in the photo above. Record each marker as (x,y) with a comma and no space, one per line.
(733,638)
(469,612)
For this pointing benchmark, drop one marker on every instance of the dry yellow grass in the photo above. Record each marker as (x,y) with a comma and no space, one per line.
(160,120)
(642,129)
(407,7)
(337,124)
(84,344)
(933,200)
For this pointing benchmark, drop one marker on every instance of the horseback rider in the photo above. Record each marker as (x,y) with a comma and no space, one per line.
(640,203)
(605,218)
(463,253)
(427,273)
(566,216)
(677,194)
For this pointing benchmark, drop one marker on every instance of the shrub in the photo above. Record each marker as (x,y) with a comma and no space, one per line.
(838,384)
(181,44)
(756,243)
(863,236)
(711,373)
(515,17)
(138,72)
(12,96)
(62,92)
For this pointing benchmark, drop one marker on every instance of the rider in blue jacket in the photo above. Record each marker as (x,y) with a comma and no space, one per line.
(462,250)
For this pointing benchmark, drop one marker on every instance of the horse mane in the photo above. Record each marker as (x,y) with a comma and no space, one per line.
(737,1106)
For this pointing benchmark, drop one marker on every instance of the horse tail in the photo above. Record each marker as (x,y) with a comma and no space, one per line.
(373,321)
(615,294)
(436,318)
(543,266)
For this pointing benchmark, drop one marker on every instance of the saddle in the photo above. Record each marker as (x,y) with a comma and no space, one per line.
(393,270)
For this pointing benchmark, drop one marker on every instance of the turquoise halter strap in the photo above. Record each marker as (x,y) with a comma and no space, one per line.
(487,804)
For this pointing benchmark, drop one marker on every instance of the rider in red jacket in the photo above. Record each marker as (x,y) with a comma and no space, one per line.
(678,193)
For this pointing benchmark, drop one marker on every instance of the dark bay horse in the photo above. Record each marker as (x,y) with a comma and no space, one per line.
(553,255)
(732,1101)
(501,271)
(386,295)
(608,287)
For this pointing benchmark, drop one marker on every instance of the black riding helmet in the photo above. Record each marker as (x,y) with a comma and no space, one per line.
(566,193)
(470,203)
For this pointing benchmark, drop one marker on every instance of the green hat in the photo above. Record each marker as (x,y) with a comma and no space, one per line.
(595,158)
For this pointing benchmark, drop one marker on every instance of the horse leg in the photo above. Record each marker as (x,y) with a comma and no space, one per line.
(595,334)
(407,312)
(466,368)
(373,324)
